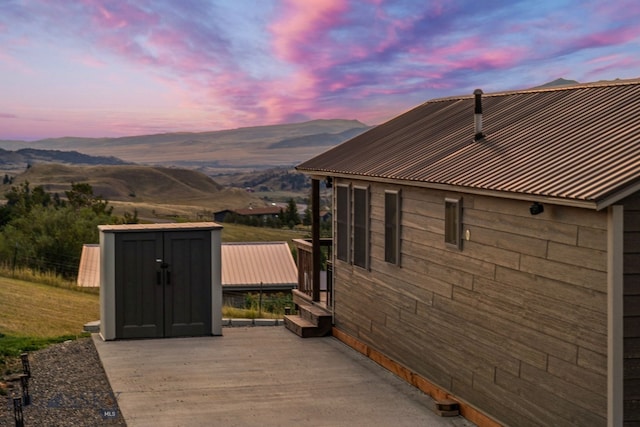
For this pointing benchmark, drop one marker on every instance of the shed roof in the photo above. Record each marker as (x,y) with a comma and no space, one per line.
(247,265)
(577,145)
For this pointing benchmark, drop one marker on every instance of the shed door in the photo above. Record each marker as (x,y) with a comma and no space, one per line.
(187,287)
(163,284)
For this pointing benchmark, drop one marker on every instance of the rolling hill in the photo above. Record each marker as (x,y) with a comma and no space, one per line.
(22,158)
(152,190)
(248,148)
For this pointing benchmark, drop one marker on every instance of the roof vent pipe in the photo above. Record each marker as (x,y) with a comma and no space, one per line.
(478,115)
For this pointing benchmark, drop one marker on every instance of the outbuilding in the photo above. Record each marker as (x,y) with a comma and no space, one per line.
(160,280)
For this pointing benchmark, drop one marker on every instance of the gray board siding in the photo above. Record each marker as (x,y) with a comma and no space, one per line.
(515,323)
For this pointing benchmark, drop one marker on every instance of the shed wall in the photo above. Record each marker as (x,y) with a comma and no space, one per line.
(632,310)
(515,323)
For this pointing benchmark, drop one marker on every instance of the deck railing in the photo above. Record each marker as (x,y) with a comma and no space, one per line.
(304,249)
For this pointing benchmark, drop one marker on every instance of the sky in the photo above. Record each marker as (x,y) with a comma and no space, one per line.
(109,68)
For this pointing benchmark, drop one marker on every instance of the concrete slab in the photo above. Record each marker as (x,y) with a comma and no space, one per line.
(259,376)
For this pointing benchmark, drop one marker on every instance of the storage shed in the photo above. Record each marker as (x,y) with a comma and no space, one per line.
(160,280)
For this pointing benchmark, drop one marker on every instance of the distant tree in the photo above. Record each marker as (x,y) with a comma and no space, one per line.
(131,219)
(307,219)
(290,216)
(81,195)
(20,200)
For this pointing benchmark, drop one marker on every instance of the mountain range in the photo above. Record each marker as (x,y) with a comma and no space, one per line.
(210,152)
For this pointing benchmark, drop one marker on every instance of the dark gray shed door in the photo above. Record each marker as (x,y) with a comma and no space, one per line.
(163,284)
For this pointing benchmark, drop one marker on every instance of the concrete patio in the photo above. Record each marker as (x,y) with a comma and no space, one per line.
(259,376)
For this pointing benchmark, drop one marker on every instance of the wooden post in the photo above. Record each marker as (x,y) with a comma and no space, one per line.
(315,237)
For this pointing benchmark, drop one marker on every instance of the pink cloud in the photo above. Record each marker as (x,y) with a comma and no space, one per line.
(91,61)
(304,23)
(119,15)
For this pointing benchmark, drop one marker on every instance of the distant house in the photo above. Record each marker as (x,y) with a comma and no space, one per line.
(262,212)
(487,247)
(250,267)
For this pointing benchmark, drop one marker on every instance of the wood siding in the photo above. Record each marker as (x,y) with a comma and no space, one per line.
(514,323)
(632,311)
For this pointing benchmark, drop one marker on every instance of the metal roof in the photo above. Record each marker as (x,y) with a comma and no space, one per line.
(248,265)
(89,268)
(571,144)
(244,266)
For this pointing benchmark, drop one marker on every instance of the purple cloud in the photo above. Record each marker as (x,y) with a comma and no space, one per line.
(294,59)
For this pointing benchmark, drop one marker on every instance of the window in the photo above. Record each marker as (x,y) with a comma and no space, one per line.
(392,227)
(453,222)
(361,226)
(343,215)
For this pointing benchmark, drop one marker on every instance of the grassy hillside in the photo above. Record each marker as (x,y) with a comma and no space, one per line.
(152,190)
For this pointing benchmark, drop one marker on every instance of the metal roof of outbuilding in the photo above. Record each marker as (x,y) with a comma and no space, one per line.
(244,266)
(89,268)
(573,144)
(250,264)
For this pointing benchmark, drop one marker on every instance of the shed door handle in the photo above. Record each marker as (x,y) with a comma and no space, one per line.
(158,278)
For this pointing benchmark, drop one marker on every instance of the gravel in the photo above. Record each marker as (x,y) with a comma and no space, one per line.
(68,387)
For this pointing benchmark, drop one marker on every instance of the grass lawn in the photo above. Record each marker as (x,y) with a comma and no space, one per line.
(246,233)
(33,315)
(42,311)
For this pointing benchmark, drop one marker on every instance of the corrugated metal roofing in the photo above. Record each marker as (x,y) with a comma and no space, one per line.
(250,264)
(89,269)
(244,265)
(577,143)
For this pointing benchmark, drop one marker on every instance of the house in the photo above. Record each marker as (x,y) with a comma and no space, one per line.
(487,249)
(261,212)
(266,267)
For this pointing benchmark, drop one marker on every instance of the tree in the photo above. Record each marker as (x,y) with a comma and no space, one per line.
(290,216)
(51,239)
(307,219)
(20,200)
(81,195)
(46,233)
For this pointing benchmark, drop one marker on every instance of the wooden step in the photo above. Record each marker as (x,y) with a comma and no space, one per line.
(312,321)
(301,326)
(316,315)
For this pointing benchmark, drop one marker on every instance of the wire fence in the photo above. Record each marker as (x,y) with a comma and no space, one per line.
(45,261)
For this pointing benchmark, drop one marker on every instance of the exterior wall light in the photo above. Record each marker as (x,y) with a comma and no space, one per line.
(536,208)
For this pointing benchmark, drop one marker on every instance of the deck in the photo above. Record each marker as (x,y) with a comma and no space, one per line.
(263,376)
